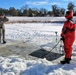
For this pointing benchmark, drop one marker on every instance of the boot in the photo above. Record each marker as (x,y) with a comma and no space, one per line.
(4,41)
(66,60)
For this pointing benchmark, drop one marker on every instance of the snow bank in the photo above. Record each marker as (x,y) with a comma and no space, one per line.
(20,66)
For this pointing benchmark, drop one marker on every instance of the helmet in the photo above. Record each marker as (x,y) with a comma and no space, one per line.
(69,15)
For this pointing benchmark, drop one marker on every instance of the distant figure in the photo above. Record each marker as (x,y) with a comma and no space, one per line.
(2,27)
(68,36)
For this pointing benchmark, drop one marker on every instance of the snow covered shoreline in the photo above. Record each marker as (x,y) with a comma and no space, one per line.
(37,19)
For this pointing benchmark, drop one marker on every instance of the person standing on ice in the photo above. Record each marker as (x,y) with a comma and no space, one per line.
(3,19)
(68,36)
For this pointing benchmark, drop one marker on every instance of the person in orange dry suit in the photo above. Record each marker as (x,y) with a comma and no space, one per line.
(68,36)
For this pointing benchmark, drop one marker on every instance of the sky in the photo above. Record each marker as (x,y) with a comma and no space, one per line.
(35,3)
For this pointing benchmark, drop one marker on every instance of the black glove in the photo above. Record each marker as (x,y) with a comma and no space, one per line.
(66,30)
(4,16)
(62,38)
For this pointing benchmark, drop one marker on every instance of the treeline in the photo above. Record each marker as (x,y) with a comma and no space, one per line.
(30,12)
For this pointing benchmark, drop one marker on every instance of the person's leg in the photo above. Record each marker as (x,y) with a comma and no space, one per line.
(3,31)
(68,47)
(0,35)
(68,50)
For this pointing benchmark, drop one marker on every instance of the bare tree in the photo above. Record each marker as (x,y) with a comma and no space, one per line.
(57,11)
(71,6)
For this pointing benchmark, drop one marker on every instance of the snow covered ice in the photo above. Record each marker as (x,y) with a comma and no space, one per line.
(32,36)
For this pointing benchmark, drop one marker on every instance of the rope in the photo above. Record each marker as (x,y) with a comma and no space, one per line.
(52,48)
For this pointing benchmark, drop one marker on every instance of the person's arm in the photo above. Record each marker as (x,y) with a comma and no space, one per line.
(5,19)
(65,29)
(72,27)
(1,23)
